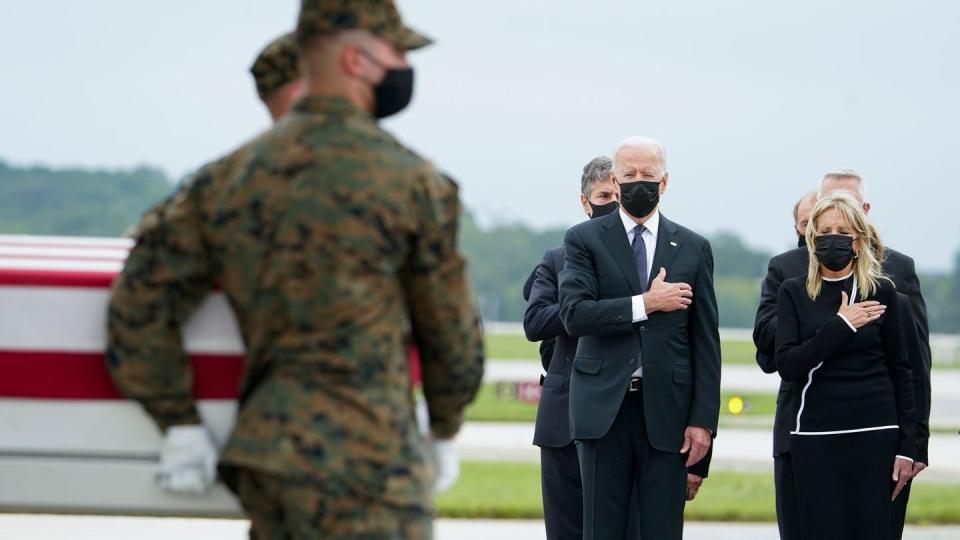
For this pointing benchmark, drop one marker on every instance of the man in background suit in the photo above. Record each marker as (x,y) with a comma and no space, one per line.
(801,216)
(786,505)
(637,289)
(794,263)
(559,468)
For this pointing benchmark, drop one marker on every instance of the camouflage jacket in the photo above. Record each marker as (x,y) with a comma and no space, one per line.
(332,243)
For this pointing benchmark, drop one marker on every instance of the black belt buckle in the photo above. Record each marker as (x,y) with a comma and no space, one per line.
(636,384)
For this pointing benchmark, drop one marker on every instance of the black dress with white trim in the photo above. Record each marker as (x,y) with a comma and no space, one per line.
(856,410)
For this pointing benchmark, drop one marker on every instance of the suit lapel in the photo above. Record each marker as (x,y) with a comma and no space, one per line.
(667,247)
(615,238)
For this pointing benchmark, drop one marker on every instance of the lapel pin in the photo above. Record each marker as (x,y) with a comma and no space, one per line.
(674,244)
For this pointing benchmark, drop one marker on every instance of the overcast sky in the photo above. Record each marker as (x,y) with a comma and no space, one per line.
(753,99)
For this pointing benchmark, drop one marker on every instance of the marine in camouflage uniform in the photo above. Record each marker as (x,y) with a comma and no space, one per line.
(332,242)
(277,75)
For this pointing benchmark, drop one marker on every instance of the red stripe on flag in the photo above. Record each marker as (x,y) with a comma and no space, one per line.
(65,375)
(56,278)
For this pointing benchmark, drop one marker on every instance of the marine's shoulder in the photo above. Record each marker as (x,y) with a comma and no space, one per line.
(228,162)
(341,132)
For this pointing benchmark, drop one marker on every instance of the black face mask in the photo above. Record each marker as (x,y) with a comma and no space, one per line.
(640,198)
(801,241)
(835,251)
(602,209)
(394,92)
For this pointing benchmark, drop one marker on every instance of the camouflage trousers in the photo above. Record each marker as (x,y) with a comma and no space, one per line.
(287,509)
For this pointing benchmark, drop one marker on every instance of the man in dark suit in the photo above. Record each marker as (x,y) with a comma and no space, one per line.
(637,289)
(794,263)
(559,466)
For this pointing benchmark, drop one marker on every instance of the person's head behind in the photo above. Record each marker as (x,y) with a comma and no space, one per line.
(357,50)
(640,169)
(276,72)
(801,213)
(836,220)
(598,193)
(847,180)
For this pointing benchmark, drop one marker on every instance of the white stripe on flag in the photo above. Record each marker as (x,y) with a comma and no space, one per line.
(27,265)
(82,253)
(75,320)
(73,241)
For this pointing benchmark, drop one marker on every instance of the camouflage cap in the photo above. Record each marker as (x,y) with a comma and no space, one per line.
(276,65)
(379,17)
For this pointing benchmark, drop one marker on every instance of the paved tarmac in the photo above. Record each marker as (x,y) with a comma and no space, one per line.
(37,527)
(736,449)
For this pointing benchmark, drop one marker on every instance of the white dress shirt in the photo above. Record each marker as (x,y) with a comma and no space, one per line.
(650,242)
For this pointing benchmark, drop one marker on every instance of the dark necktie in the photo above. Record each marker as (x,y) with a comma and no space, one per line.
(639,246)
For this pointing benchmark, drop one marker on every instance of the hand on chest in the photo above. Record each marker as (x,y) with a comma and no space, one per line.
(627,269)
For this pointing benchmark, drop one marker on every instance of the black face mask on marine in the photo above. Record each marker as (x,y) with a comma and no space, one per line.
(394,92)
(600,210)
(801,241)
(835,251)
(640,198)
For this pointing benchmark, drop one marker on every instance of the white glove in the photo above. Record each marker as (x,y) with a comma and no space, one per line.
(447,460)
(422,415)
(188,461)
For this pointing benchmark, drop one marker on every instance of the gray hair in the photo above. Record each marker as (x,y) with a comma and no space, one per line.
(845,173)
(641,142)
(806,196)
(598,169)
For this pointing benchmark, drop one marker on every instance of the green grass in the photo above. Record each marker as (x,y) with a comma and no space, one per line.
(512,490)
(511,347)
(494,490)
(491,407)
(738,352)
(516,347)
(495,403)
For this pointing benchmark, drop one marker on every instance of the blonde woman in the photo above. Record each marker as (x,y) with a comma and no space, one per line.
(839,338)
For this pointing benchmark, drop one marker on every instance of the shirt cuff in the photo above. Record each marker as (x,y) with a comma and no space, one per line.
(852,327)
(906,458)
(639,308)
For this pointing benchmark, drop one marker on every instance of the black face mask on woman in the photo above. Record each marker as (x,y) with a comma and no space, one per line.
(640,198)
(835,251)
(394,92)
(600,210)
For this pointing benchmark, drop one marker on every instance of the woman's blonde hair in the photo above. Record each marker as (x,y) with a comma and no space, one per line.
(867,266)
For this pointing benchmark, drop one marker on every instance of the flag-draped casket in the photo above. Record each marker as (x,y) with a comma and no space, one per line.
(68,441)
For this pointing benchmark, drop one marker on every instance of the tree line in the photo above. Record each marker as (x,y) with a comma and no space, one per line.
(88,202)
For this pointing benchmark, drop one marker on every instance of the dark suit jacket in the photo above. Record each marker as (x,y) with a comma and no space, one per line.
(541,322)
(681,349)
(902,271)
(546,345)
